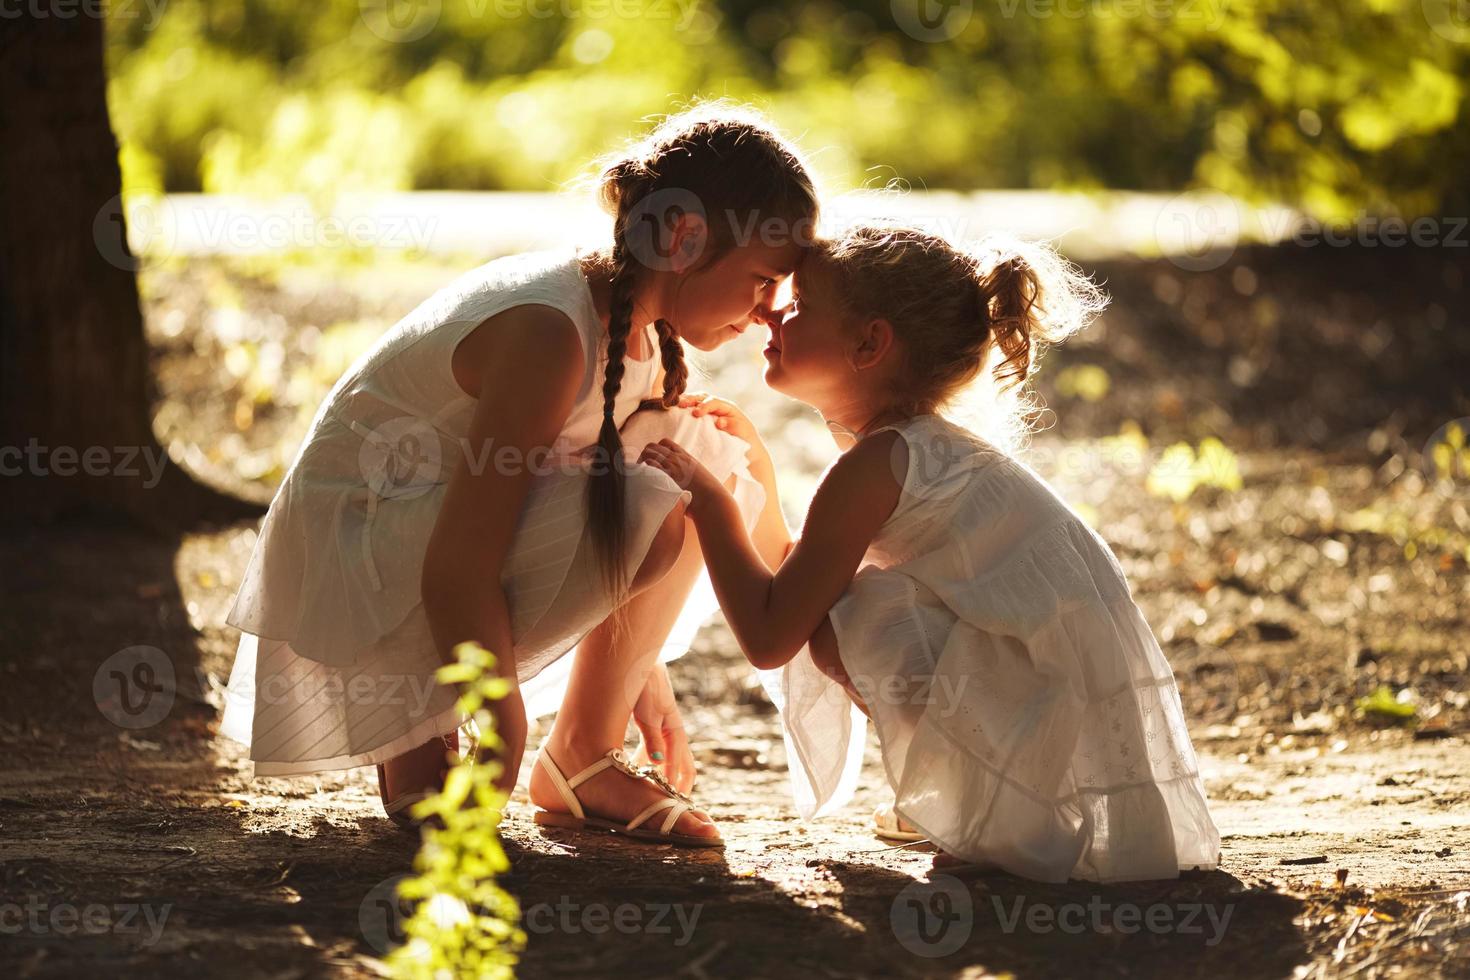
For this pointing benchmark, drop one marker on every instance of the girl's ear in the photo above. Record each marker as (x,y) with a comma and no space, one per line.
(875,340)
(687,245)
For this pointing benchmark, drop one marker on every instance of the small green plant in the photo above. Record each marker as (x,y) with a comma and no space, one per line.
(463,924)
(1385,707)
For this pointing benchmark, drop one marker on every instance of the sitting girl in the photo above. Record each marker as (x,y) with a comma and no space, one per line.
(1028,718)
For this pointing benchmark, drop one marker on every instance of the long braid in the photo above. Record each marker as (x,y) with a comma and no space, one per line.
(605,490)
(730,163)
(676,372)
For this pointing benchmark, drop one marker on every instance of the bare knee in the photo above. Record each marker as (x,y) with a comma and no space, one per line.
(663,550)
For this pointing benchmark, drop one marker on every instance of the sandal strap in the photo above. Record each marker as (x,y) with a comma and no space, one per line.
(566,787)
(543,758)
(676,804)
(676,810)
(590,771)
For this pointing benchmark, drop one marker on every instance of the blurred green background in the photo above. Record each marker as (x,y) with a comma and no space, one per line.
(1331,108)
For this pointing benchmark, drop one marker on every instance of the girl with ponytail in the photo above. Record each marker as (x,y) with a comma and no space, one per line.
(1029,721)
(470,478)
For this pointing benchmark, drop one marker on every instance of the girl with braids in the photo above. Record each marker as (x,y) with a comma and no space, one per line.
(473,477)
(1028,719)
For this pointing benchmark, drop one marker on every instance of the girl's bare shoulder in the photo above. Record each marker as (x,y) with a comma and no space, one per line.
(868,479)
(542,341)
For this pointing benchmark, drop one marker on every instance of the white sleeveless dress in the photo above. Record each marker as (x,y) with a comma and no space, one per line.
(1026,713)
(335,665)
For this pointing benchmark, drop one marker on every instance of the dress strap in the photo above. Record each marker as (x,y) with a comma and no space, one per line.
(896,426)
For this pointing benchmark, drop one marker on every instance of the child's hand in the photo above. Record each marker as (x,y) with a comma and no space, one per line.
(728,417)
(689,473)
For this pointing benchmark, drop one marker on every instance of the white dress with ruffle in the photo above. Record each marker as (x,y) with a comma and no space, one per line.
(1027,717)
(335,665)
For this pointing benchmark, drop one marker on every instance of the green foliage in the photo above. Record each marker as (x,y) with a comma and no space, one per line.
(1181,470)
(1085,381)
(1385,707)
(1449,456)
(463,923)
(1333,107)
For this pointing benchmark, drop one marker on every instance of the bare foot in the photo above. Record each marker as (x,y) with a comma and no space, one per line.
(419,770)
(611,794)
(888,822)
(946,863)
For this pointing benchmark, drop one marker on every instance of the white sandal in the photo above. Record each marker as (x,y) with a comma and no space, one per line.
(397,809)
(676,803)
(886,826)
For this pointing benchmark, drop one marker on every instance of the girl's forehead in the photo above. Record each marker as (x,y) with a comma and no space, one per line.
(780,259)
(814,274)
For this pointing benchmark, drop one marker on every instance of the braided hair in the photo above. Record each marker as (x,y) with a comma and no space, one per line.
(724,160)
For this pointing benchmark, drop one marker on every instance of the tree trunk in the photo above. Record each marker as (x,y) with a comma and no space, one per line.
(75,387)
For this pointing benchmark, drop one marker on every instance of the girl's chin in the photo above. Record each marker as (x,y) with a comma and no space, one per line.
(710,340)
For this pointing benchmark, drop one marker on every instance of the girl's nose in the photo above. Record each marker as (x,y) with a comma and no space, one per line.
(771,318)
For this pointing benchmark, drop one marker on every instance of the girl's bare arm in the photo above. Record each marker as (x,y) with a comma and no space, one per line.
(774,614)
(523,407)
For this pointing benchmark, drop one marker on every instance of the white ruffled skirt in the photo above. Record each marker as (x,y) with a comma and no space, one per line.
(1058,753)
(371,699)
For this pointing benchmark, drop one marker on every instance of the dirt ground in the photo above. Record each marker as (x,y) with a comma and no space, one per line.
(1335,569)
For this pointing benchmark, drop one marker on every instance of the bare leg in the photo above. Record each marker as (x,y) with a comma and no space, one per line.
(418,770)
(823,646)
(606,680)
(828,660)
(422,769)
